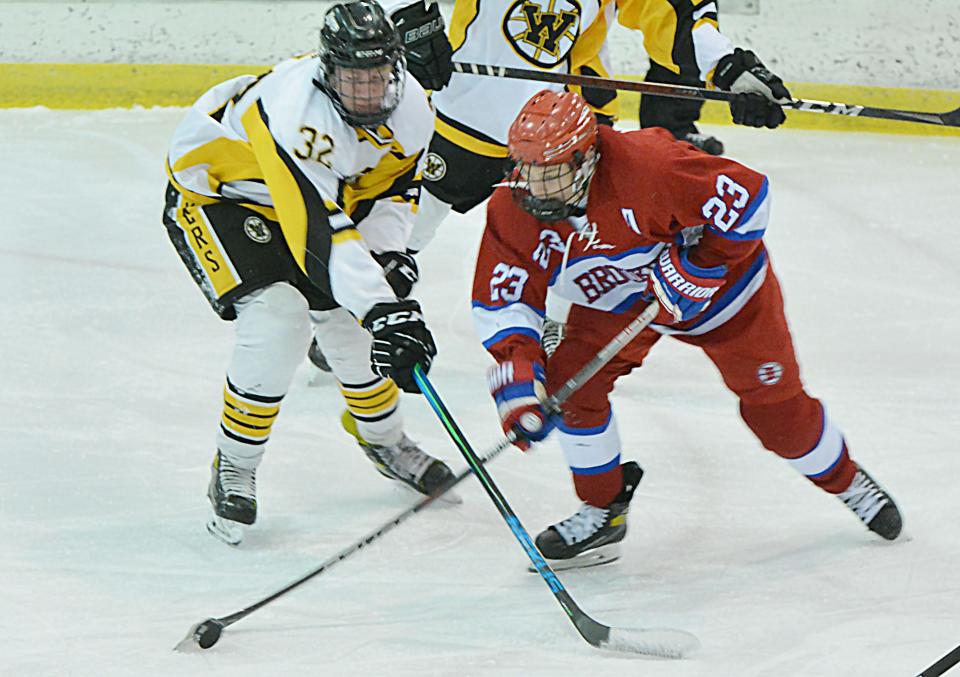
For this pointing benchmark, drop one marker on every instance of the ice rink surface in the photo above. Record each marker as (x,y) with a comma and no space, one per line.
(112,368)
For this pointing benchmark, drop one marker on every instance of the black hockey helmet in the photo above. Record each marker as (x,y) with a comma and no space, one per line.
(362,64)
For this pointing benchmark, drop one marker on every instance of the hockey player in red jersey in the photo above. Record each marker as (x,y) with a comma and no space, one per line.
(611,221)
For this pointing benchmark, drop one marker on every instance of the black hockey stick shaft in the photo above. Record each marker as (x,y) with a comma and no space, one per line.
(216,625)
(948,119)
(942,665)
(664,643)
(225,621)
(595,633)
(596,363)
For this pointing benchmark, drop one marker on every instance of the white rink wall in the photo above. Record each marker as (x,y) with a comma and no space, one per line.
(866,42)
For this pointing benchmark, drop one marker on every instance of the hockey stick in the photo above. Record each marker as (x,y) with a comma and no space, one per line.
(206,633)
(662,642)
(942,665)
(948,119)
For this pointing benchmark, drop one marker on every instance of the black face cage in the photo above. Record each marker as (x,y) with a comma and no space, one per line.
(569,183)
(365,95)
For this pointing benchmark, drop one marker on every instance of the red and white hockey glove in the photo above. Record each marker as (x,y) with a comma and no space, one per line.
(519,390)
(683,289)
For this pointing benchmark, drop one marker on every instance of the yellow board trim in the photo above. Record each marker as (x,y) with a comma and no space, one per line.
(97,86)
(111,85)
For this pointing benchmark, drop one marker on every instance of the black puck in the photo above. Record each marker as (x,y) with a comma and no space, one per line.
(207,633)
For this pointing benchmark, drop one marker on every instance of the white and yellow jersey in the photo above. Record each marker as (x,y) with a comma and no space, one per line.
(680,35)
(567,36)
(275,144)
(564,36)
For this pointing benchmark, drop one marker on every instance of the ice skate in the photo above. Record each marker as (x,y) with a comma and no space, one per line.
(873,505)
(406,462)
(592,535)
(233,495)
(318,360)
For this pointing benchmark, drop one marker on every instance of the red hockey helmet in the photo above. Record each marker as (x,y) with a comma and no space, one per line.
(552,144)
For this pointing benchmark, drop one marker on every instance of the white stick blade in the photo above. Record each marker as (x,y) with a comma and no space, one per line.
(659,642)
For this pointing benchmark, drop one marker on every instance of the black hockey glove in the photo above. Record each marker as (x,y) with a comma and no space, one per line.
(429,54)
(758,91)
(400,269)
(401,340)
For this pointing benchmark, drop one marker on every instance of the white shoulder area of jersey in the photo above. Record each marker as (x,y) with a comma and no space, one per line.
(293,102)
(412,121)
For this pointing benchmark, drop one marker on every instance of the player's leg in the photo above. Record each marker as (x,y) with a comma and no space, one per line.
(755,355)
(373,404)
(239,260)
(591,444)
(677,115)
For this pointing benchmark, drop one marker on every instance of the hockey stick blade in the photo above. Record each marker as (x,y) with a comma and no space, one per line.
(657,642)
(952,119)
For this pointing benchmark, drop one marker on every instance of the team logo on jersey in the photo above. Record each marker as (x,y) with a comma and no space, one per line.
(435,167)
(542,32)
(770,373)
(257,230)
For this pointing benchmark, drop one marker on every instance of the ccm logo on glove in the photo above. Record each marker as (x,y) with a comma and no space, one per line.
(399,317)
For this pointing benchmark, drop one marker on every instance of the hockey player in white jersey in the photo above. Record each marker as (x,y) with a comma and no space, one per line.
(468,154)
(285,192)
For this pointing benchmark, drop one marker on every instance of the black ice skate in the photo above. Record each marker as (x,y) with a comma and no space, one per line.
(317,358)
(705,142)
(873,505)
(592,535)
(233,495)
(405,461)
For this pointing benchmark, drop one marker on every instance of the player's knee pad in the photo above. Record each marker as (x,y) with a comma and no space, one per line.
(344,343)
(272,337)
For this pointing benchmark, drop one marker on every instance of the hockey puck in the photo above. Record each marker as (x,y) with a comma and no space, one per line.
(207,633)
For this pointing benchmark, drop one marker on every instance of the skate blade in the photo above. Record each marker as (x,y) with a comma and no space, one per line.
(225,530)
(605,554)
(450,498)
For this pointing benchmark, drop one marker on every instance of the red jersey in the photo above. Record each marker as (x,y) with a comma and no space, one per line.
(648,192)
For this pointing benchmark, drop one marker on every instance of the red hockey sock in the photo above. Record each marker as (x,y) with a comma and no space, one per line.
(599,490)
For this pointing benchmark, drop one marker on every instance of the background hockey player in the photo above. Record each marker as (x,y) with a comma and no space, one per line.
(468,153)
(611,221)
(285,191)
(686,47)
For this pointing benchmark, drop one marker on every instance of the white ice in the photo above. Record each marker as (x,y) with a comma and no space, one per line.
(112,368)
